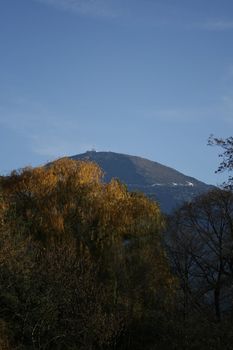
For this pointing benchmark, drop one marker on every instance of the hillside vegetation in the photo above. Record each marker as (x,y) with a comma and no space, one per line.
(81,263)
(89,265)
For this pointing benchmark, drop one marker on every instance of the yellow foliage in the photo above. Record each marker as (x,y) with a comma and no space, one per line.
(61,217)
(68,198)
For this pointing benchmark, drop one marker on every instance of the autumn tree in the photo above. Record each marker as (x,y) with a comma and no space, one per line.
(87,257)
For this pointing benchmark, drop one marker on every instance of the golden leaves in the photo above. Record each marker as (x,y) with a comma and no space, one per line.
(68,198)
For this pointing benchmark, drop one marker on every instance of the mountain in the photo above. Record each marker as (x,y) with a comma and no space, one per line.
(167,186)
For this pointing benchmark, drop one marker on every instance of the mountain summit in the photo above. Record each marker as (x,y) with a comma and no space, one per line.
(167,186)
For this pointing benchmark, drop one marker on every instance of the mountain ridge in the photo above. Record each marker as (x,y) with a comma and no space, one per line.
(169,187)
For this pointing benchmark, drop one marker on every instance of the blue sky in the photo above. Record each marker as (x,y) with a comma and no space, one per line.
(152,78)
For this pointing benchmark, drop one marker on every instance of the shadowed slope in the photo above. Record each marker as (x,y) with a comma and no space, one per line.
(164,184)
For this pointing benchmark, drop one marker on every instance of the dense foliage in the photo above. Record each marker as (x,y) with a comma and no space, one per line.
(81,262)
(88,265)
